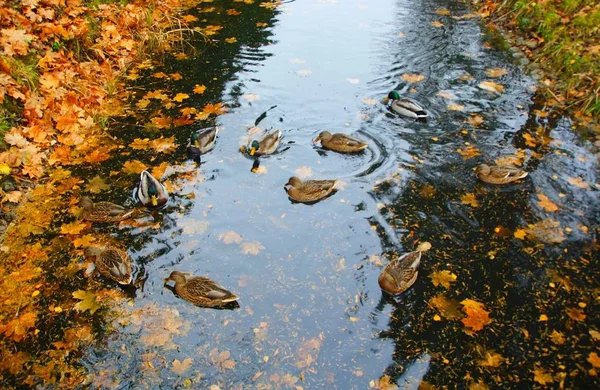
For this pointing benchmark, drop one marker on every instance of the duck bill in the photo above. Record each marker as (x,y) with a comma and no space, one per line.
(385,100)
(154,201)
(252,151)
(316,141)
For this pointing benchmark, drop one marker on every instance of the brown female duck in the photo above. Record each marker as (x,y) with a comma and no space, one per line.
(201,291)
(400,273)
(309,191)
(103,211)
(112,263)
(497,174)
(340,142)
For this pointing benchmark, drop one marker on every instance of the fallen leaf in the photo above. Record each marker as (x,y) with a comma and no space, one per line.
(73,227)
(199,89)
(230,237)
(477,316)
(594,359)
(304,172)
(231,40)
(468,152)
(443,278)
(575,314)
(413,77)
(475,120)
(181,367)
(370,101)
(496,72)
(491,87)
(180,97)
(252,247)
(541,376)
(134,167)
(520,234)
(250,97)
(18,328)
(491,359)
(304,72)
(448,95)
(547,231)
(96,185)
(442,12)
(88,301)
(455,107)
(546,203)
(13,196)
(383,383)
(557,337)
(450,309)
(469,199)
(577,181)
(308,352)
(435,23)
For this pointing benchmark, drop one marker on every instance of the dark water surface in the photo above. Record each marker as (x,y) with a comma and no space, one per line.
(311,312)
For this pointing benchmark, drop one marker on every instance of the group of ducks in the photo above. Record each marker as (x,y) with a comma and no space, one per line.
(400,274)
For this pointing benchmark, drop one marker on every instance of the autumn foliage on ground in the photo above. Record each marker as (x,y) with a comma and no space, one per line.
(60,67)
(562,38)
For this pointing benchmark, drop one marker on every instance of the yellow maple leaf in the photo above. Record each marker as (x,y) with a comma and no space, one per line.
(231,40)
(261,24)
(96,185)
(140,144)
(163,145)
(216,109)
(17,328)
(189,18)
(520,234)
(88,301)
(413,77)
(541,376)
(199,89)
(176,76)
(468,152)
(134,167)
(73,227)
(181,97)
(546,203)
(469,199)
(443,278)
(594,359)
(450,309)
(491,359)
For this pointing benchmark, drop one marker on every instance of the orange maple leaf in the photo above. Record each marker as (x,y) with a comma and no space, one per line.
(477,316)
(216,109)
(17,328)
(15,41)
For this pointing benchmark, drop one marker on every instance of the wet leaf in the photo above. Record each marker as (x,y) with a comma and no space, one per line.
(370,101)
(448,95)
(456,107)
(193,226)
(595,334)
(88,301)
(18,328)
(575,314)
(304,172)
(546,203)
(443,278)
(163,145)
(450,309)
(435,23)
(134,167)
(412,77)
(181,367)
(475,120)
(547,231)
(477,316)
(442,12)
(424,246)
(470,200)
(557,337)
(383,383)
(231,40)
(230,237)
(491,87)
(491,359)
(542,376)
(577,181)
(250,97)
(252,247)
(308,352)
(594,359)
(496,72)
(73,227)
(180,97)
(96,185)
(199,89)
(520,234)
(5,169)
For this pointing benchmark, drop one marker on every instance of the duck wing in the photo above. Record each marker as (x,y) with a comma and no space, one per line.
(346,140)
(204,287)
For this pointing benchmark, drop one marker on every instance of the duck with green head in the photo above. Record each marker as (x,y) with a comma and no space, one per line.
(267,145)
(202,141)
(405,106)
(151,192)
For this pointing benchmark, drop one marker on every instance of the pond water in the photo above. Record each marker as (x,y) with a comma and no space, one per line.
(311,312)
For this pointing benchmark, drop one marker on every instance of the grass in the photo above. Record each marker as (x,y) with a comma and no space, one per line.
(569,47)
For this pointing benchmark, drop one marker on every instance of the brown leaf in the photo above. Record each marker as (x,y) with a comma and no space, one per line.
(181,367)
(496,72)
(230,237)
(577,181)
(491,87)
(456,107)
(477,316)
(435,23)
(470,200)
(13,196)
(468,152)
(547,231)
(491,359)
(448,308)
(541,376)
(575,314)
(546,203)
(252,247)
(475,120)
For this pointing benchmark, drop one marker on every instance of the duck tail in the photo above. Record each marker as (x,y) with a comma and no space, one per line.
(421,114)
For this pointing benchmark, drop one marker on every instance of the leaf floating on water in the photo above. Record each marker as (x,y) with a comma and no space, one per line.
(73,227)
(180,97)
(181,367)
(491,359)
(575,314)
(546,203)
(442,12)
(443,278)
(468,152)
(491,86)
(557,337)
(88,301)
(370,101)
(448,95)
(13,196)
(252,247)
(250,97)
(577,181)
(496,72)
(18,328)
(477,316)
(192,226)
(424,246)
(479,385)
(435,23)
(304,172)
(450,309)
(520,234)
(475,120)
(456,107)
(221,359)
(199,89)
(230,237)
(308,352)
(304,72)
(140,144)
(470,200)
(383,383)
(547,231)
(594,359)
(134,167)
(542,376)
(231,40)
(413,77)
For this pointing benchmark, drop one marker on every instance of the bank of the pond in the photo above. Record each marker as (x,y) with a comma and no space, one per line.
(558,42)
(62,67)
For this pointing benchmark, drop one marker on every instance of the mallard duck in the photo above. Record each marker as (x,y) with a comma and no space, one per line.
(267,145)
(202,141)
(405,106)
(310,190)
(201,291)
(151,192)
(497,174)
(400,273)
(103,211)
(112,263)
(340,142)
